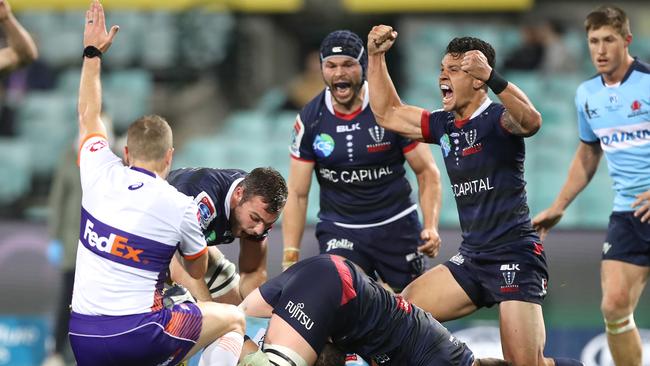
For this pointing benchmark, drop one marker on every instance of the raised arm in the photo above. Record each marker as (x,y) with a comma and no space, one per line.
(385,103)
(521,118)
(21,49)
(96,41)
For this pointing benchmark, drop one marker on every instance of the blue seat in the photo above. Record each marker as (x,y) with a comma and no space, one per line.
(15,170)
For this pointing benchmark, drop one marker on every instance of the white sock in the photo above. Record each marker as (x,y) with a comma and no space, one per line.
(224,351)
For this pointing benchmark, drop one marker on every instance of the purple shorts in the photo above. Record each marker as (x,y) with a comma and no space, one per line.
(158,338)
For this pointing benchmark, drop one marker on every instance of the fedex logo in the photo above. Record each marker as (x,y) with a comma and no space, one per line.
(114,244)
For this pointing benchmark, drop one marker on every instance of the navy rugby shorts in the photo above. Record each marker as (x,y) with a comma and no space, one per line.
(628,239)
(388,250)
(516,271)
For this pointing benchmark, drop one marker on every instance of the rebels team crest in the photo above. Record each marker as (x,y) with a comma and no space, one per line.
(377,134)
(207,210)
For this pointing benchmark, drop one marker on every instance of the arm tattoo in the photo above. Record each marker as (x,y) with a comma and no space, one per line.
(511,125)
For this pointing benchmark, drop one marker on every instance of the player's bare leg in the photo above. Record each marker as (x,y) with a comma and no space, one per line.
(622,285)
(437,292)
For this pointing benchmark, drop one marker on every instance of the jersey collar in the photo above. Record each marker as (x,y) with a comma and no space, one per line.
(633,66)
(144,171)
(226,204)
(462,122)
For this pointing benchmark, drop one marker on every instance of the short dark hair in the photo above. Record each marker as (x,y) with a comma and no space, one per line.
(459,45)
(608,15)
(330,356)
(267,183)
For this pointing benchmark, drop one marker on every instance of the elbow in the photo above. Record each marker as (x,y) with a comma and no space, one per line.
(30,55)
(533,125)
(27,55)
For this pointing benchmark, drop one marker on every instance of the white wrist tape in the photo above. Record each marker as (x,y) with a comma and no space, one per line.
(222,278)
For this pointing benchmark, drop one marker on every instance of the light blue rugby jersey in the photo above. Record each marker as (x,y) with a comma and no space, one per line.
(618,118)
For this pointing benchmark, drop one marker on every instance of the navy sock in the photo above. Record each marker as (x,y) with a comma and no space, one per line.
(561,361)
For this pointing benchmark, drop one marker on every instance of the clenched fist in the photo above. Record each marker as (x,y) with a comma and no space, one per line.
(380,39)
(476,64)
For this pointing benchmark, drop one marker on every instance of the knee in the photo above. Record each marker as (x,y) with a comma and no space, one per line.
(229,315)
(616,305)
(238,319)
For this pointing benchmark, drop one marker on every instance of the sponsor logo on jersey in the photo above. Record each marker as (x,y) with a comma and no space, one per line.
(296,312)
(348,128)
(591,113)
(207,210)
(135,186)
(97,145)
(624,137)
(445,145)
(637,109)
(296,137)
(323,145)
(113,244)
(356,175)
(471,187)
(339,244)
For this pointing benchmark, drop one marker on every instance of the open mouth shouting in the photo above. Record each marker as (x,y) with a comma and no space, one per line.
(447,94)
(342,90)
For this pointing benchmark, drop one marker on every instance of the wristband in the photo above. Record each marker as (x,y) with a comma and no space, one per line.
(292,249)
(496,82)
(92,51)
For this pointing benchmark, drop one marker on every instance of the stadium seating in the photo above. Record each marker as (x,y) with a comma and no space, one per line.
(15,173)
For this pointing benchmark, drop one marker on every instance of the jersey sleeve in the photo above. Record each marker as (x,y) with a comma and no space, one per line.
(192,243)
(406,144)
(95,155)
(433,125)
(585,132)
(301,147)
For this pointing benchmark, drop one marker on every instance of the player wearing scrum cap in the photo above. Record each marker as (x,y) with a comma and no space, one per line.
(366,212)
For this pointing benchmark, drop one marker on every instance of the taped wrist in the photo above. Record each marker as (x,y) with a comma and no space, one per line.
(223,277)
(496,82)
(290,257)
(621,325)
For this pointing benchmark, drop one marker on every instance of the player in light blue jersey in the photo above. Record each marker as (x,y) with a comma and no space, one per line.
(614,117)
